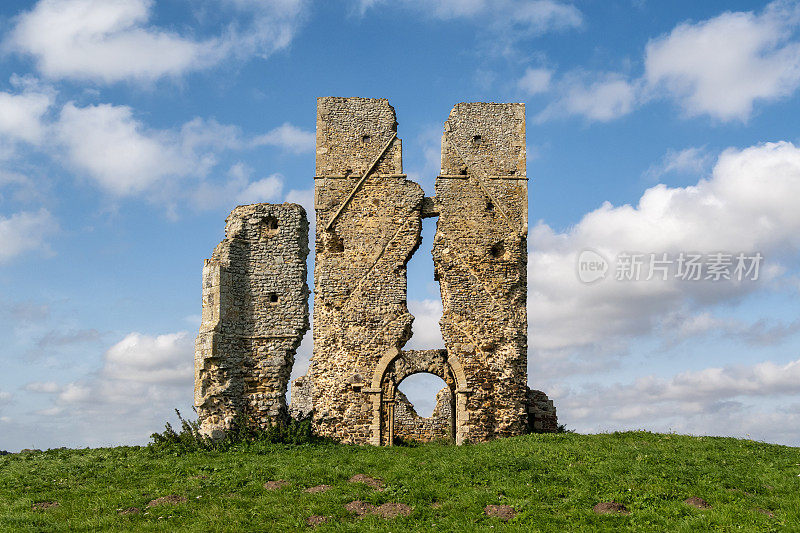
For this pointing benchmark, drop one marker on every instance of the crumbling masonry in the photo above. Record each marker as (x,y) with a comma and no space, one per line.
(368,225)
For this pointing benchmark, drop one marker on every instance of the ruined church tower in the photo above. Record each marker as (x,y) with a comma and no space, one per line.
(368,225)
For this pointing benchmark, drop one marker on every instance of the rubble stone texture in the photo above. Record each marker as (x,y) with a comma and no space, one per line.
(255,312)
(480,260)
(368,224)
(410,426)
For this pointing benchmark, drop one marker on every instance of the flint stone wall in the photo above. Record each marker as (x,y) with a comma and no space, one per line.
(368,224)
(410,426)
(480,260)
(255,312)
(541,413)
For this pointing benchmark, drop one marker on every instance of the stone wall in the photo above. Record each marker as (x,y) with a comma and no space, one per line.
(300,403)
(410,426)
(368,226)
(541,413)
(480,260)
(255,312)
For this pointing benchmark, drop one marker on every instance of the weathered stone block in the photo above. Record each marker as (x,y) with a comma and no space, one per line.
(255,312)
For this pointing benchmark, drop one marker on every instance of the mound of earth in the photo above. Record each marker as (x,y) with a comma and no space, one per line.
(171,499)
(610,508)
(503,512)
(375,483)
(696,502)
(276,484)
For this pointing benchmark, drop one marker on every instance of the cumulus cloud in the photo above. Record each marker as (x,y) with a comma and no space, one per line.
(116,150)
(21,116)
(124,157)
(104,40)
(597,97)
(722,66)
(427,334)
(25,231)
(143,378)
(288,137)
(746,205)
(239,188)
(111,40)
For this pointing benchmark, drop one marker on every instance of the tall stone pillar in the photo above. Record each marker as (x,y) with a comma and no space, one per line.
(480,258)
(368,226)
(255,312)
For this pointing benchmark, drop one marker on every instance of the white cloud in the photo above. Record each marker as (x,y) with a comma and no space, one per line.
(48,387)
(239,188)
(104,40)
(746,205)
(427,335)
(116,151)
(143,378)
(508,18)
(305,197)
(263,190)
(24,232)
(290,138)
(21,116)
(693,160)
(5,397)
(707,401)
(722,66)
(146,359)
(270,26)
(597,97)
(110,40)
(125,158)
(535,80)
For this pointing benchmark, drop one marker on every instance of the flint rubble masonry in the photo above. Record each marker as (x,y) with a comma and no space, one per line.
(368,225)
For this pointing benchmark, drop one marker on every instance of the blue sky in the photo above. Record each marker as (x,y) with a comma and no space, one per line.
(130,128)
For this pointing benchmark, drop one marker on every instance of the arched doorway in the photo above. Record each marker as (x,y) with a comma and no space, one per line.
(404,421)
(393,369)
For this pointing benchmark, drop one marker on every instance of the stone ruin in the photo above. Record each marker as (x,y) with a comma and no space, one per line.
(368,225)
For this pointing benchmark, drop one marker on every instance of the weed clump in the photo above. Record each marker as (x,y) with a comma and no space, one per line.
(243,433)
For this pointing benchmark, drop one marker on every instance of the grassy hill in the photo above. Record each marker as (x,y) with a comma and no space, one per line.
(552,482)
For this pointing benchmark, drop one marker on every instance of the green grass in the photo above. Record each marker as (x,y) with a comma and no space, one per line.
(551,480)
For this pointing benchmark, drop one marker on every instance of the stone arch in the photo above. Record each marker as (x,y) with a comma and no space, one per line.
(397,365)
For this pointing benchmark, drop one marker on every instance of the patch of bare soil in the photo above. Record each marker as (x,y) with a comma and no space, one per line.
(392,510)
(375,483)
(698,503)
(171,499)
(610,508)
(315,520)
(360,508)
(276,484)
(317,488)
(40,506)
(386,510)
(129,510)
(503,512)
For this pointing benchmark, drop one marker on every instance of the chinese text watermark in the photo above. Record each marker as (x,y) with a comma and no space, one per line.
(592,266)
